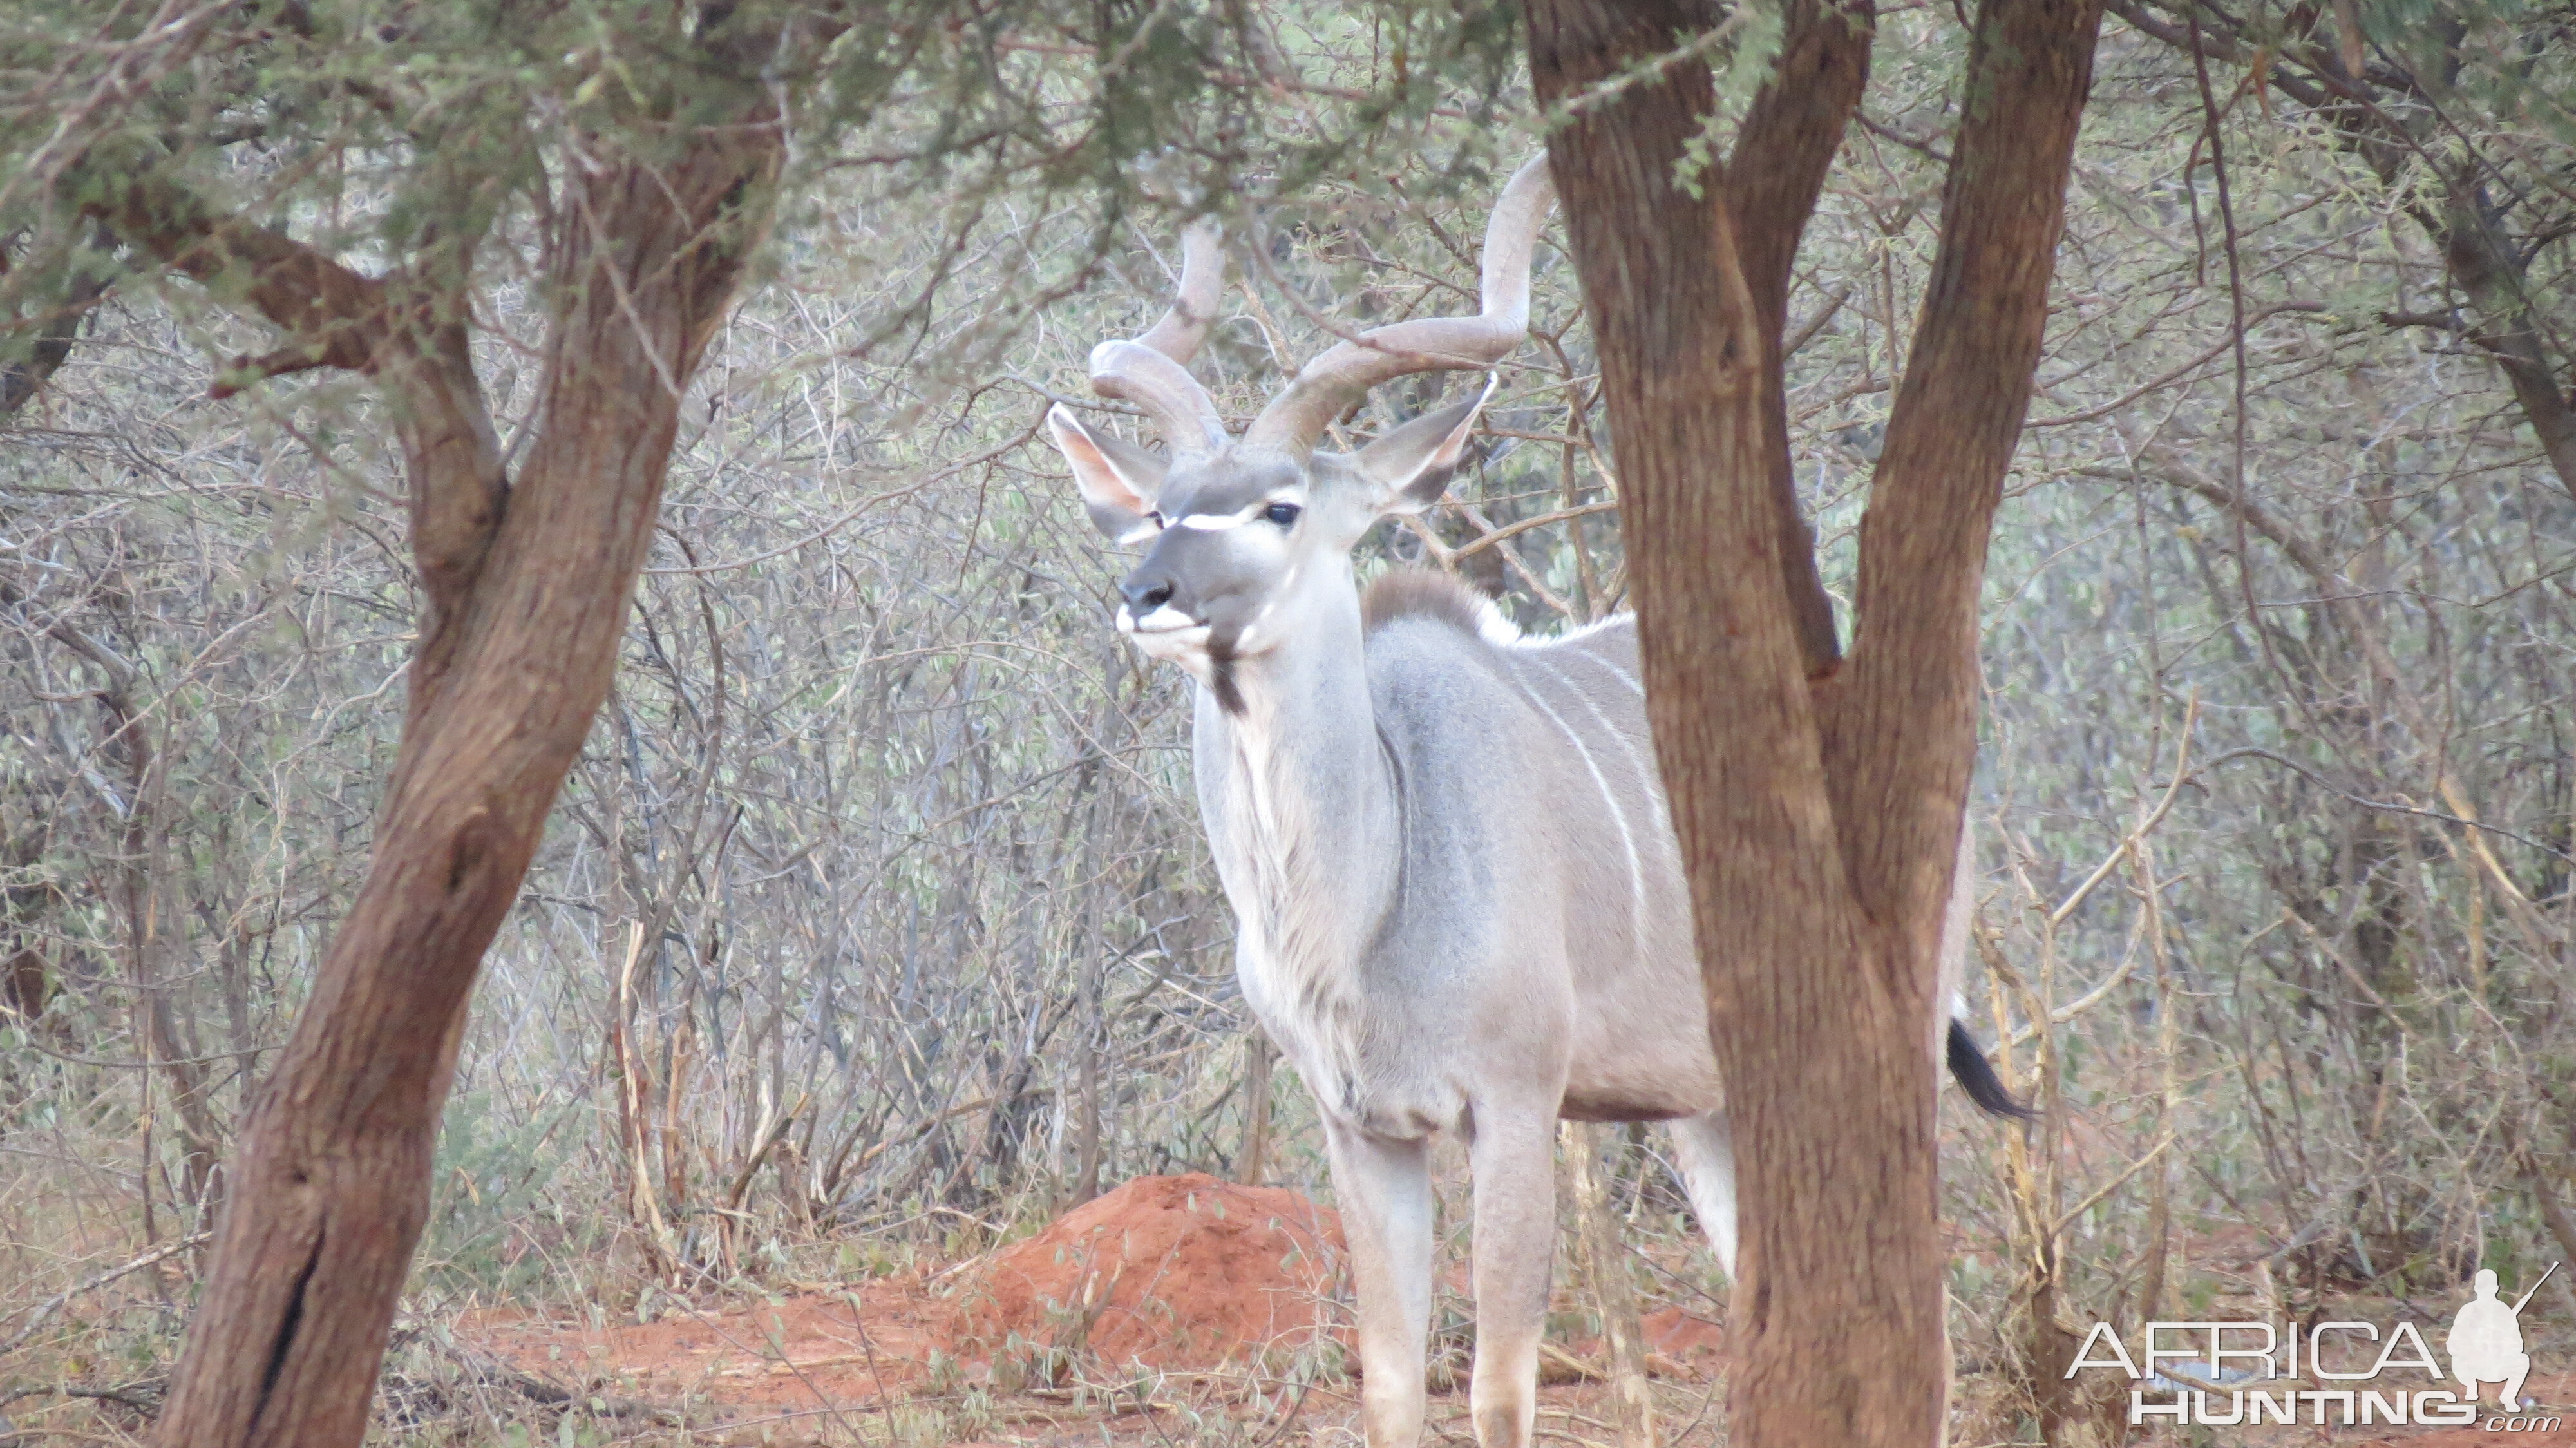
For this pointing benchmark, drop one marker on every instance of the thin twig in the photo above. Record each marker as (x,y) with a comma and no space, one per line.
(47,1308)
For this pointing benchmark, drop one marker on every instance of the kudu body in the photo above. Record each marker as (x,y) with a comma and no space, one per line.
(1459,900)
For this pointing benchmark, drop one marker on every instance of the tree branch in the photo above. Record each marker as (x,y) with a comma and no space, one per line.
(2170,466)
(2486,263)
(1788,141)
(1773,176)
(337,316)
(22,379)
(407,332)
(1900,732)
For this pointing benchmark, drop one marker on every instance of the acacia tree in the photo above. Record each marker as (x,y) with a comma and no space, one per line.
(525,578)
(651,187)
(359,177)
(1818,794)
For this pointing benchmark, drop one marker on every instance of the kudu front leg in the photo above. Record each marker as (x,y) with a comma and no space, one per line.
(1514,1161)
(1385,1192)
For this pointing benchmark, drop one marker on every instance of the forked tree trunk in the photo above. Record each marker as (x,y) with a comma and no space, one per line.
(1818,800)
(528,583)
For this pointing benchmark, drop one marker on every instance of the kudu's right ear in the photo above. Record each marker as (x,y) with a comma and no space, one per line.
(1119,480)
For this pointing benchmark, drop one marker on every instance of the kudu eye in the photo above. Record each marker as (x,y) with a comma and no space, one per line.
(1283,514)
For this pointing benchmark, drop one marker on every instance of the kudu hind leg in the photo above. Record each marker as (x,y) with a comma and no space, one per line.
(1513,1158)
(1385,1192)
(1704,1149)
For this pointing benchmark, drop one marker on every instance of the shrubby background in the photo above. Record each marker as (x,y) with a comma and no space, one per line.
(875,924)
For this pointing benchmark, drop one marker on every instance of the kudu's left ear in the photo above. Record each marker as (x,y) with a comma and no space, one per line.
(1118,480)
(1409,468)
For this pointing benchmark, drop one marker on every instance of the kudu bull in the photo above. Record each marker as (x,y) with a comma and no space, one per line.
(1459,901)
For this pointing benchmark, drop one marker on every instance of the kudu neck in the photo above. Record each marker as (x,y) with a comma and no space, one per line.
(1307,760)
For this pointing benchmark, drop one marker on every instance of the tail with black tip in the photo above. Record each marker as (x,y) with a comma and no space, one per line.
(1976,1076)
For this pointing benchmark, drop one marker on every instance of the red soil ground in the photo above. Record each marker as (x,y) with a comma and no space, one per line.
(1184,1273)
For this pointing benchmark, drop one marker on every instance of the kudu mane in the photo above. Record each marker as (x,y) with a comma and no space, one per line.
(1421,593)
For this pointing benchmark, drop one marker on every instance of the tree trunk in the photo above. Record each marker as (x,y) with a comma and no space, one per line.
(1088,1142)
(1258,1057)
(142,847)
(2497,277)
(1605,1270)
(1818,806)
(527,588)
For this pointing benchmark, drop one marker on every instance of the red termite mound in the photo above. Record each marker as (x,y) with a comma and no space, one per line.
(1179,1272)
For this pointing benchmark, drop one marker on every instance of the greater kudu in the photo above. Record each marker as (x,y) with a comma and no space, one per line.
(1459,903)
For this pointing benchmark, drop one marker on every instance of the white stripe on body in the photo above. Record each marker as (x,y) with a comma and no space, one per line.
(1618,815)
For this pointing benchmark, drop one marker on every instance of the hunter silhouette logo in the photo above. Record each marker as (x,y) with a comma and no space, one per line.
(2485,1342)
(2190,1361)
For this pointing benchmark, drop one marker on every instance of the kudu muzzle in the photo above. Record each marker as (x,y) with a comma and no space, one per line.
(1192,580)
(1150,589)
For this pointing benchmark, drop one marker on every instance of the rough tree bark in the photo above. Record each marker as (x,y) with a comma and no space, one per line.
(1818,800)
(526,583)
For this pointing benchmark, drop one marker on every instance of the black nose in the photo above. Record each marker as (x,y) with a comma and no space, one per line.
(1146,592)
